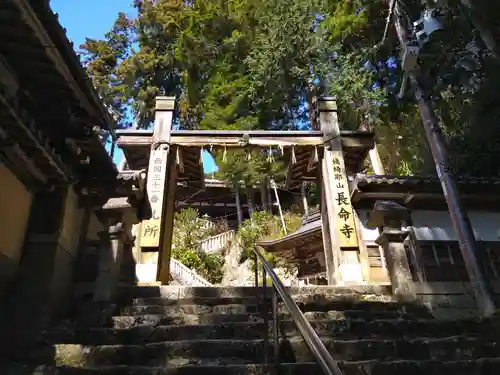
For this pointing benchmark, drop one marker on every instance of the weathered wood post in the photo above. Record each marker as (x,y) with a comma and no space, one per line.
(340,238)
(168,227)
(161,171)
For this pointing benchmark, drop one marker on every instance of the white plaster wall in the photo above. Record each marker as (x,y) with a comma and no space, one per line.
(368,234)
(437,225)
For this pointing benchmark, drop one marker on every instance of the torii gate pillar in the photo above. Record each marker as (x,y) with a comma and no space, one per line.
(156,233)
(340,238)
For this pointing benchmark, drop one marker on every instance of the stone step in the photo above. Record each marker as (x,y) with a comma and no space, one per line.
(181,319)
(351,329)
(376,301)
(219,318)
(149,333)
(331,302)
(189,309)
(293,350)
(179,292)
(484,366)
(235,308)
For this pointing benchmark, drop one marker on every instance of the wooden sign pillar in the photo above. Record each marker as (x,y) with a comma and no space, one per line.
(340,239)
(152,230)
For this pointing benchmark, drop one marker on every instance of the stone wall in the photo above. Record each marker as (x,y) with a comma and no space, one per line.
(449,300)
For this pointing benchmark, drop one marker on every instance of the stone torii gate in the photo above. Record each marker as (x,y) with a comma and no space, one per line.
(325,155)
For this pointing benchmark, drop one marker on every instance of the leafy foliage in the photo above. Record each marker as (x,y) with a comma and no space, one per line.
(263,225)
(248,64)
(239,168)
(189,231)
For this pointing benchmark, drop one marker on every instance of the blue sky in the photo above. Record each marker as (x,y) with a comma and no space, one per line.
(92,18)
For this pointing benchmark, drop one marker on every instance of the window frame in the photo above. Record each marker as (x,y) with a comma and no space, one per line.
(415,257)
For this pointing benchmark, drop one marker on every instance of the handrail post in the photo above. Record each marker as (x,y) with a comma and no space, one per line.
(256,271)
(318,349)
(275,333)
(265,312)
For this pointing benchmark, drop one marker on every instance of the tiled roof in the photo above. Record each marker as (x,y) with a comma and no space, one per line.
(129,175)
(313,215)
(311,227)
(363,180)
(117,203)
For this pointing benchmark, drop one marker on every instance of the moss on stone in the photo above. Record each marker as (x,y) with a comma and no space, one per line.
(70,355)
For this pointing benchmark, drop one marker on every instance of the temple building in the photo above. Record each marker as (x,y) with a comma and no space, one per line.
(62,199)
(431,266)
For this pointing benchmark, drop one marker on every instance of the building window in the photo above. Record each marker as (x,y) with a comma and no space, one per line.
(491,258)
(441,261)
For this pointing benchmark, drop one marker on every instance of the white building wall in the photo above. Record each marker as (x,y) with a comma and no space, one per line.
(437,225)
(369,235)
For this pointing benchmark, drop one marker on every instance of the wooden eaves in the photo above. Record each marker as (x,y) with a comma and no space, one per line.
(48,105)
(423,192)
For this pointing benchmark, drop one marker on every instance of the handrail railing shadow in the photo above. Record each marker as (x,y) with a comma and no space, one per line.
(318,349)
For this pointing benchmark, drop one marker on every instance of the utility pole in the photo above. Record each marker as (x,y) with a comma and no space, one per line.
(480,285)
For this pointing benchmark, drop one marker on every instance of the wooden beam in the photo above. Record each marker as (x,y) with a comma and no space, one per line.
(219,142)
(53,159)
(14,152)
(134,141)
(264,138)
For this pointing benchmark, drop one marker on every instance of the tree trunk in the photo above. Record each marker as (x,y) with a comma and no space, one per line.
(304,198)
(238,207)
(263,197)
(250,201)
(269,196)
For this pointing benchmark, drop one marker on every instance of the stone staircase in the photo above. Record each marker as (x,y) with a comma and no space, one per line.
(220,331)
(216,244)
(186,276)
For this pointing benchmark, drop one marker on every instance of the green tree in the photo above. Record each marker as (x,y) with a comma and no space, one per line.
(247,64)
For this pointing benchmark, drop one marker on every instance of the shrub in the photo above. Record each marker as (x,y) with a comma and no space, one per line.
(189,231)
(208,266)
(263,225)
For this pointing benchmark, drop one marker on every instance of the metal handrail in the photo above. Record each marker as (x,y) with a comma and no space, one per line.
(323,357)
